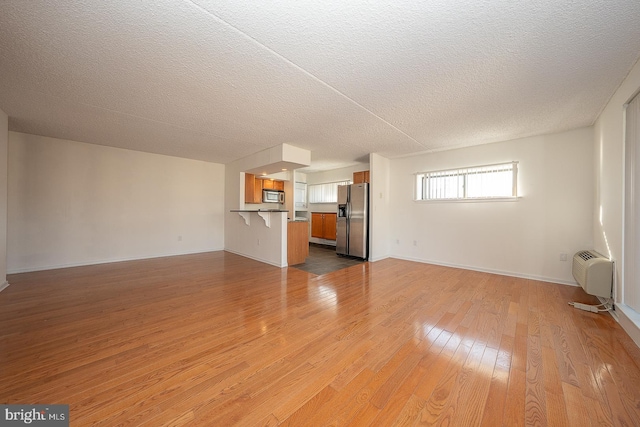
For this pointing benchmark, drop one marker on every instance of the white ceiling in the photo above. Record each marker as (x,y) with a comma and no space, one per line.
(217,80)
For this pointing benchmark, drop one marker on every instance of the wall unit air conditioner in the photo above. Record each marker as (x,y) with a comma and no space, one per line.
(593,272)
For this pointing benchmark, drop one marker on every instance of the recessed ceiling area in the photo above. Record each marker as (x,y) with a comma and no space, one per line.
(220,80)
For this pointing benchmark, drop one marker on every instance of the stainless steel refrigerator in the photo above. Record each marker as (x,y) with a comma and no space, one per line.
(353,220)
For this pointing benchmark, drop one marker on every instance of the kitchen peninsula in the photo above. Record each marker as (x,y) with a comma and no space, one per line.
(260,234)
(269,233)
(265,214)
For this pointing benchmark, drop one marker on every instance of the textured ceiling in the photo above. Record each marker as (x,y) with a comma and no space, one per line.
(217,80)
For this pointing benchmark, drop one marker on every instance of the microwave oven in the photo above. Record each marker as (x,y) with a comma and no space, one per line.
(272,196)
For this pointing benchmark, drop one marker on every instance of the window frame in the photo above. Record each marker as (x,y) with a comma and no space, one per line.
(465,171)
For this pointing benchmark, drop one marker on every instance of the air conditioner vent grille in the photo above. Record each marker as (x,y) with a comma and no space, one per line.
(586,255)
(593,272)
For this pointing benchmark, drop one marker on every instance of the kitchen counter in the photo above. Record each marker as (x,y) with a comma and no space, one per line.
(265,214)
(256,234)
(258,210)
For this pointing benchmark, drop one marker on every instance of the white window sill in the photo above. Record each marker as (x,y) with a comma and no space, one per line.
(471,200)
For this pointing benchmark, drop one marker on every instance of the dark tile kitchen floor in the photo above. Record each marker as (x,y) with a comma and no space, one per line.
(323,259)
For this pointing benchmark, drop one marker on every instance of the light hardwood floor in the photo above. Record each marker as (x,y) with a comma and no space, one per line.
(216,339)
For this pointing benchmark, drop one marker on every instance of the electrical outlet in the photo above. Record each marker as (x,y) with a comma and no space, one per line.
(415,243)
(397,241)
(563,256)
(258,242)
(179,238)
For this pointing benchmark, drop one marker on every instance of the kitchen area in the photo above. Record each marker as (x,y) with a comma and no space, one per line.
(268,193)
(278,220)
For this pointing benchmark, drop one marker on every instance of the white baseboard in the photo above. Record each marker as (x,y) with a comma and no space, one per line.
(104,261)
(629,319)
(255,258)
(319,241)
(488,270)
(378,258)
(4,286)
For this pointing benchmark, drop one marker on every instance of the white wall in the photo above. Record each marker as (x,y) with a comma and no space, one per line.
(609,172)
(518,238)
(72,203)
(381,212)
(4,138)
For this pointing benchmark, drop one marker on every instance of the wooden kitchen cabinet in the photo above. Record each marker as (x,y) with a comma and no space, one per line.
(297,242)
(330,225)
(317,225)
(273,185)
(252,189)
(267,184)
(360,177)
(323,225)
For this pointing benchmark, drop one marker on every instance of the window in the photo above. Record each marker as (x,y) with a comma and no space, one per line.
(480,182)
(325,193)
(631,272)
